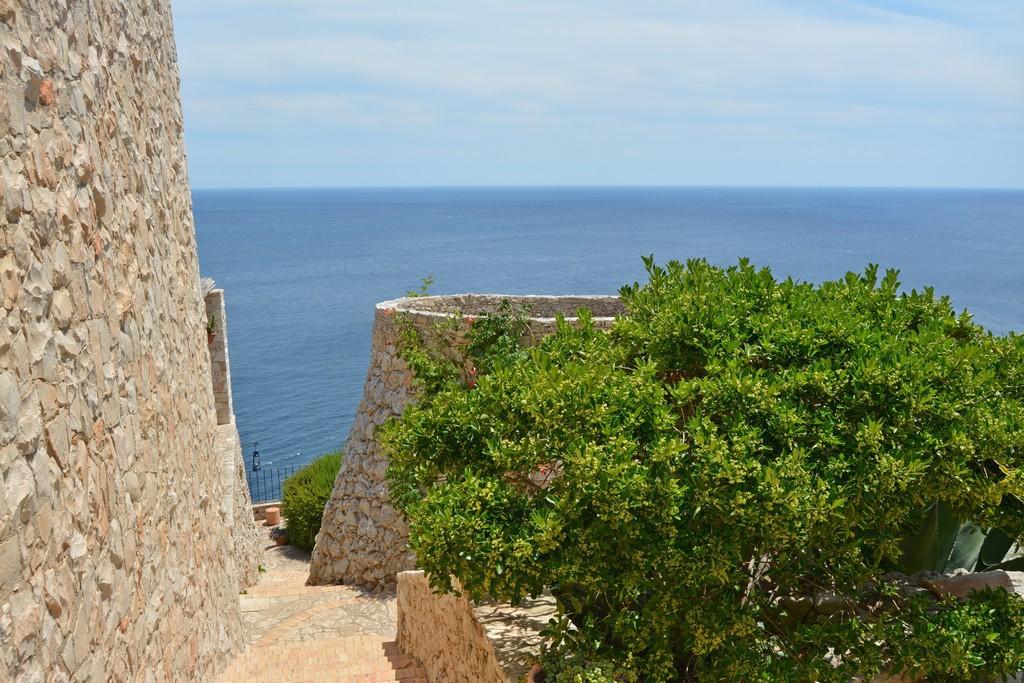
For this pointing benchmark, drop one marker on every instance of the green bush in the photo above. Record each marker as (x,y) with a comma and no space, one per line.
(304,495)
(734,445)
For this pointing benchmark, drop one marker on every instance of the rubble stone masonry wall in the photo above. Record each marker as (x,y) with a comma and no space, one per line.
(363,539)
(219,366)
(459,642)
(123,547)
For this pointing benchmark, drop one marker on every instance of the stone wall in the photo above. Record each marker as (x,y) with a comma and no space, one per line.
(246,542)
(363,540)
(220,366)
(236,506)
(119,558)
(458,642)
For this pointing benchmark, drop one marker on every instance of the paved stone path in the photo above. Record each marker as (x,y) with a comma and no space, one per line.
(315,634)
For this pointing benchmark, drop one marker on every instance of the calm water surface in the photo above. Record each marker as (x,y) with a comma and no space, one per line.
(302,269)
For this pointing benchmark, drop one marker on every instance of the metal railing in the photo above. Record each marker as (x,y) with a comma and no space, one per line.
(265,483)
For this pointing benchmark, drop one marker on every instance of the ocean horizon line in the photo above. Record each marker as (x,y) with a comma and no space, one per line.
(886,188)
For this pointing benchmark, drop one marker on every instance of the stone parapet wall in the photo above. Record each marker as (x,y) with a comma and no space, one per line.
(220,366)
(236,506)
(119,559)
(363,539)
(459,642)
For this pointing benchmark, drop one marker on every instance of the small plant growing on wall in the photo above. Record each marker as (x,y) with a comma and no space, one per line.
(424,289)
(211,329)
(719,488)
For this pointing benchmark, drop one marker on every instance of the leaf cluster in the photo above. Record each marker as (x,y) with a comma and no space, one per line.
(304,496)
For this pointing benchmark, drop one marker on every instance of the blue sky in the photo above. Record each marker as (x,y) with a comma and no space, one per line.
(301,93)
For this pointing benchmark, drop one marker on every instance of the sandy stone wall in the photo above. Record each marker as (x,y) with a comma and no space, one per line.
(363,540)
(236,506)
(219,365)
(458,642)
(119,555)
(246,541)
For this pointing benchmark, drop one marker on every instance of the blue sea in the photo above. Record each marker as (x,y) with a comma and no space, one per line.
(302,269)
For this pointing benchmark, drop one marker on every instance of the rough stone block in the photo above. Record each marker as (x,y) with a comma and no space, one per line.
(33,79)
(962,585)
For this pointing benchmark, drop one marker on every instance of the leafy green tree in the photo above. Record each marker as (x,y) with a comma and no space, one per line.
(735,447)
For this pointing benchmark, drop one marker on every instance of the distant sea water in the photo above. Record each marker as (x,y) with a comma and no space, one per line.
(302,269)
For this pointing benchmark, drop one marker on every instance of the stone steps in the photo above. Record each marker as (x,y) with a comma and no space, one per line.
(317,634)
(357,659)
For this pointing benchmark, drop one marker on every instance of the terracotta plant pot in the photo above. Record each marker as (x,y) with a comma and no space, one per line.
(210,336)
(273,516)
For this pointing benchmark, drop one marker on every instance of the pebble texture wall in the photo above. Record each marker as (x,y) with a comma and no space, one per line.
(117,558)
(363,540)
(459,642)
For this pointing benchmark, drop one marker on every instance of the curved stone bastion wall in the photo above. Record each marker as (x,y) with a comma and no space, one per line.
(363,540)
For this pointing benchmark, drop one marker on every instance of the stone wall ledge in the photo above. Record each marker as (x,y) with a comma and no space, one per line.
(459,642)
(961,584)
(538,307)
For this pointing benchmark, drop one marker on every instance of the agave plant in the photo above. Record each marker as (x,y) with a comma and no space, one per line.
(945,544)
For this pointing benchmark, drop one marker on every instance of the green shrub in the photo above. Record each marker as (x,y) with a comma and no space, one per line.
(732,446)
(304,495)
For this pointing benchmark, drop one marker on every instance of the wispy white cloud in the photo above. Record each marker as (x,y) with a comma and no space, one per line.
(535,67)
